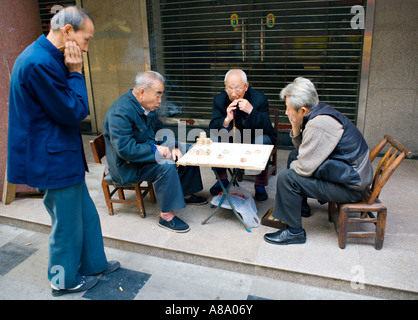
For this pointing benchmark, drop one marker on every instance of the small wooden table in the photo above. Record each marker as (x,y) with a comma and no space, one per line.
(232,156)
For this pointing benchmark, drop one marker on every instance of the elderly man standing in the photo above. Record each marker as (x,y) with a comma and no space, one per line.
(48,99)
(332,164)
(249,109)
(134,153)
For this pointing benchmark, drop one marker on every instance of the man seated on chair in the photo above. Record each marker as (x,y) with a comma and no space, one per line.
(133,154)
(250,110)
(332,164)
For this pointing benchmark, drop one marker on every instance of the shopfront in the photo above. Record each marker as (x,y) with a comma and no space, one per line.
(194,43)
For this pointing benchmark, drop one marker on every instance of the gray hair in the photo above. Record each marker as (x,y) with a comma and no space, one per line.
(72,15)
(300,93)
(242,74)
(147,78)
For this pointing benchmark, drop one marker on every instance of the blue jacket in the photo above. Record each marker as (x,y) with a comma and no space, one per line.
(349,163)
(46,105)
(130,138)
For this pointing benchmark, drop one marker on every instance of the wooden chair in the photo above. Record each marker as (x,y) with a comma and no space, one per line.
(98,148)
(273,157)
(272,169)
(277,127)
(370,203)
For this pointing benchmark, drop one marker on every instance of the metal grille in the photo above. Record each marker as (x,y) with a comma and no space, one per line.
(194,43)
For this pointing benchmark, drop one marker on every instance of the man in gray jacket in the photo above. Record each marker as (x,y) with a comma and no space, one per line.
(332,164)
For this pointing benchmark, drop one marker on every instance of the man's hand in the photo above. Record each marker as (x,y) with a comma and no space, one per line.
(164,151)
(230,114)
(244,105)
(177,155)
(73,57)
(296,128)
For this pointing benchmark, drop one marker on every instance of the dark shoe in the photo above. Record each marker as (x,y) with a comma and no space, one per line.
(260,194)
(240,175)
(306,211)
(175,225)
(284,236)
(195,200)
(85,284)
(113,266)
(216,189)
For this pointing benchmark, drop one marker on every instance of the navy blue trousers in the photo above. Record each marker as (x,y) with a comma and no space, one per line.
(76,242)
(171,184)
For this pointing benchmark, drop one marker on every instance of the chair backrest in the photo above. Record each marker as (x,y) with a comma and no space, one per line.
(98,147)
(275,113)
(387,166)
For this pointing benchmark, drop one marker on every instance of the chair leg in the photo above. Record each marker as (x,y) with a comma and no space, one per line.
(380,229)
(106,193)
(274,172)
(342,228)
(140,201)
(152,192)
(331,210)
(121,194)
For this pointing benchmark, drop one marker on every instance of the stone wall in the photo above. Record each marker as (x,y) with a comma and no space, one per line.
(392,105)
(20,25)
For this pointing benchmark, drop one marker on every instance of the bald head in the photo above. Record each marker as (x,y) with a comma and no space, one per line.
(236,84)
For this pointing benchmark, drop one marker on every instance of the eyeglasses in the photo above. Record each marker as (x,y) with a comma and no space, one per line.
(230,91)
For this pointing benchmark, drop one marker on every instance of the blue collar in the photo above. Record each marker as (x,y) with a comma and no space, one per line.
(45,43)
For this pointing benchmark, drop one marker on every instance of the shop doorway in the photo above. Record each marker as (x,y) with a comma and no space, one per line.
(194,43)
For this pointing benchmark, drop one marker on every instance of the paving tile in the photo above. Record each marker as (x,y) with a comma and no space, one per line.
(12,254)
(123,284)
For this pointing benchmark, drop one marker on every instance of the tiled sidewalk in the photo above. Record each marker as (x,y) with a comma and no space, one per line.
(24,257)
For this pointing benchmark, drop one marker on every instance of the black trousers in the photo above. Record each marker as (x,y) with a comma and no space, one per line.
(292,188)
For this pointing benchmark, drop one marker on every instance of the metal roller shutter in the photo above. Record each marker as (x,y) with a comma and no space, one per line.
(194,43)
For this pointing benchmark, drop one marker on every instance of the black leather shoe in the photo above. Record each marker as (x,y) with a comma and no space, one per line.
(112,267)
(195,200)
(261,196)
(306,211)
(216,189)
(284,236)
(86,283)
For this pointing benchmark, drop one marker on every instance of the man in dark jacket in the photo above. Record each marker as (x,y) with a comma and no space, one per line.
(249,109)
(48,99)
(135,153)
(332,164)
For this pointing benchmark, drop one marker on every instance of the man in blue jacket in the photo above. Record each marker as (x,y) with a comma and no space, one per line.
(135,152)
(48,99)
